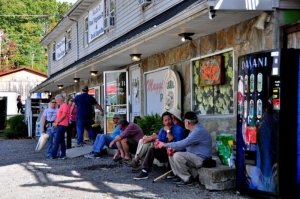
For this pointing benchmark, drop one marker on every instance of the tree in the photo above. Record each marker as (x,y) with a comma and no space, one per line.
(25,23)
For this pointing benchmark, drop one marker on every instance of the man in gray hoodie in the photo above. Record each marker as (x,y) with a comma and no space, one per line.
(198,145)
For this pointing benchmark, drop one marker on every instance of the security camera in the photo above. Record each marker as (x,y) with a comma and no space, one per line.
(211,14)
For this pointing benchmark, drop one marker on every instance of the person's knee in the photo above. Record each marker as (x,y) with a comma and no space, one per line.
(178,156)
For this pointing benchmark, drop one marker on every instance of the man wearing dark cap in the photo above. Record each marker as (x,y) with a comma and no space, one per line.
(84,104)
(198,146)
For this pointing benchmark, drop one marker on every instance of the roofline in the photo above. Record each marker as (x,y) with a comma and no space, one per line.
(24,68)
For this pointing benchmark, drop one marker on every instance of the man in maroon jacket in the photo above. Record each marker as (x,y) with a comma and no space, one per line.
(128,140)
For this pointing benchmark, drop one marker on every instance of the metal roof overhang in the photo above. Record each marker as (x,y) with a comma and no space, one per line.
(151,41)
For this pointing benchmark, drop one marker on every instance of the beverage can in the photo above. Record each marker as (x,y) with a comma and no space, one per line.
(170,151)
(156,142)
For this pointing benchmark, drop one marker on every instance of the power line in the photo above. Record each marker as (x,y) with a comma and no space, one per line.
(25,15)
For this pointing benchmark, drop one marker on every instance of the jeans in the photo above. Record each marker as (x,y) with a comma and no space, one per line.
(51,133)
(80,125)
(102,140)
(60,141)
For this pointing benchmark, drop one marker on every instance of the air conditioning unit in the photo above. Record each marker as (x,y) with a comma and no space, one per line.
(109,22)
(144,2)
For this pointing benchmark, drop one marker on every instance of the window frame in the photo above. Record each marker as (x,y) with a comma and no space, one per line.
(68,40)
(86,31)
(53,51)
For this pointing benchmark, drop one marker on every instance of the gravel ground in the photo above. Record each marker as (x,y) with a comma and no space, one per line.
(28,174)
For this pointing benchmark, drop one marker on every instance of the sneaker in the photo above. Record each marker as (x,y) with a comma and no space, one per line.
(141,176)
(183,184)
(171,175)
(176,179)
(97,155)
(137,170)
(89,154)
(63,157)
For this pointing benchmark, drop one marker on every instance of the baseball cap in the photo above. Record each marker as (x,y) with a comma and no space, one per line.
(190,116)
(85,88)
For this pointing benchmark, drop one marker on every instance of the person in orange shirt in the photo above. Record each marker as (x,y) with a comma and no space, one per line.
(61,124)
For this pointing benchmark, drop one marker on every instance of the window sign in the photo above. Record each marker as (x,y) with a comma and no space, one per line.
(154,82)
(60,49)
(96,25)
(115,92)
(172,91)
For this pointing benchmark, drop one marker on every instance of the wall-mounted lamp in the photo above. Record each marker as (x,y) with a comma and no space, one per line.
(76,80)
(186,36)
(211,14)
(135,57)
(47,92)
(60,86)
(94,73)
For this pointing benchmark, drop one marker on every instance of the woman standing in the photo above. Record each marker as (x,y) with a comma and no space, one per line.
(19,104)
(61,125)
(71,133)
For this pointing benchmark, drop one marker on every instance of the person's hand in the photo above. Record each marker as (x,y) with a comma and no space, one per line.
(54,124)
(166,128)
(111,144)
(147,139)
(161,145)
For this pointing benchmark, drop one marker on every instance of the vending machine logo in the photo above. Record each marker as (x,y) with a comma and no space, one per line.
(254,62)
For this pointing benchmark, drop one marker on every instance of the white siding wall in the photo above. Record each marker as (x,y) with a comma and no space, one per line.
(21,82)
(128,15)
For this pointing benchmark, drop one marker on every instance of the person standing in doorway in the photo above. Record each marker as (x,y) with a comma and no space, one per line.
(19,104)
(84,103)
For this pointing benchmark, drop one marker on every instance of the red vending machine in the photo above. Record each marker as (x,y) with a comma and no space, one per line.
(268,123)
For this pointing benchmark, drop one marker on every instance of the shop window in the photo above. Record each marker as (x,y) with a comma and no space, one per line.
(69,40)
(86,32)
(213,84)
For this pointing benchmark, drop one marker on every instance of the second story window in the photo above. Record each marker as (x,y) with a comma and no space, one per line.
(69,40)
(86,32)
(109,20)
(53,51)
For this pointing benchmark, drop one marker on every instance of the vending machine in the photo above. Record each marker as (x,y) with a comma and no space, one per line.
(268,124)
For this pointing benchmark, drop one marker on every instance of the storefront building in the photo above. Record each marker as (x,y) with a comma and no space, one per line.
(145,57)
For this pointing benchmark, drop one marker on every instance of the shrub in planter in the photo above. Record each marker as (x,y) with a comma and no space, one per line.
(150,123)
(16,127)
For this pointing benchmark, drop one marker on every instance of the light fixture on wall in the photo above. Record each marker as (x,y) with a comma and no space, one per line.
(186,36)
(260,22)
(94,73)
(60,86)
(135,57)
(76,80)
(47,92)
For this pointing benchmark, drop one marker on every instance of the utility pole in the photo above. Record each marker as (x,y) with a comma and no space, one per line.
(32,58)
(1,34)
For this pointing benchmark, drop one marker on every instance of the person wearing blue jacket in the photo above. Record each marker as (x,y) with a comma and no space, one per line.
(169,133)
(198,145)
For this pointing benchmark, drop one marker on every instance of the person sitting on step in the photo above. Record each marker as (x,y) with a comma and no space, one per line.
(169,133)
(104,140)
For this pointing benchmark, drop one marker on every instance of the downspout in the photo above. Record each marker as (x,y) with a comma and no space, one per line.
(77,35)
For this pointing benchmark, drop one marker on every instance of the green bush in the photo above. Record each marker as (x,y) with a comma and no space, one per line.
(150,123)
(16,127)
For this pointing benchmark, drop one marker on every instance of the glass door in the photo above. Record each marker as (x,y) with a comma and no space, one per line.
(115,96)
